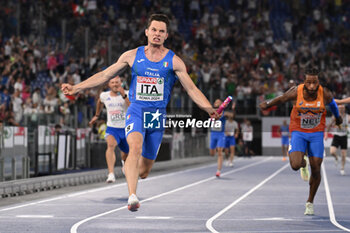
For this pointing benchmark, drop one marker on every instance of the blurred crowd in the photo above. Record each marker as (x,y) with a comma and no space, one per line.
(251,49)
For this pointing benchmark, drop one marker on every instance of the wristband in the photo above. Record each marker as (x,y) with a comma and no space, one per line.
(124,97)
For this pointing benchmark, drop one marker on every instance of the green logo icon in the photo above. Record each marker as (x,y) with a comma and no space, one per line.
(7,132)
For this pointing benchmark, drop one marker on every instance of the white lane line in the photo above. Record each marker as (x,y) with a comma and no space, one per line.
(34,203)
(273,219)
(266,219)
(292,231)
(34,216)
(209,223)
(74,228)
(100,189)
(330,202)
(153,217)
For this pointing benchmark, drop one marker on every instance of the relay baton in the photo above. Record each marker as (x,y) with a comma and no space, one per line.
(224,104)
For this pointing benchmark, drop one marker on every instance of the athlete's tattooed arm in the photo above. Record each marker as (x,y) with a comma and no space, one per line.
(327,95)
(290,95)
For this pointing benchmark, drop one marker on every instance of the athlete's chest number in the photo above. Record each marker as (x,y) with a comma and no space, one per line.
(308,121)
(149,88)
(117,117)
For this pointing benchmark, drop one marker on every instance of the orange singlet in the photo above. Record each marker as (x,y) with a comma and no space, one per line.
(308,116)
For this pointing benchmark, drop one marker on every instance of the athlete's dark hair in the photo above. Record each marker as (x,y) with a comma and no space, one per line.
(158,17)
(312,71)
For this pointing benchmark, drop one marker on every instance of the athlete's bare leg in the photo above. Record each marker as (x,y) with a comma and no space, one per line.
(212,152)
(296,160)
(124,155)
(135,141)
(343,158)
(333,151)
(232,153)
(227,153)
(110,155)
(315,178)
(145,166)
(220,158)
(284,151)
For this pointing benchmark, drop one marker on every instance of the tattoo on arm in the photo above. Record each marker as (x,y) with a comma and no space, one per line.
(291,94)
(327,95)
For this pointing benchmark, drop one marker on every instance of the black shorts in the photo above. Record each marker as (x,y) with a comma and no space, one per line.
(340,141)
(248,144)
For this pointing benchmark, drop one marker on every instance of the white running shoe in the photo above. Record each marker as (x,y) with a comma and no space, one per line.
(309,208)
(123,169)
(230,164)
(342,172)
(110,178)
(226,163)
(133,203)
(304,171)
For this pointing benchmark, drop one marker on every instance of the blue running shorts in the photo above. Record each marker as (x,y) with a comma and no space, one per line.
(230,141)
(152,138)
(217,139)
(119,135)
(285,140)
(310,142)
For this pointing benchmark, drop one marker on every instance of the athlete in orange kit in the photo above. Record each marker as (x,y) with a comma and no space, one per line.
(307,125)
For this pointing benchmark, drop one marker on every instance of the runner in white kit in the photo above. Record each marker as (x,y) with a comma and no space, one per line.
(116,101)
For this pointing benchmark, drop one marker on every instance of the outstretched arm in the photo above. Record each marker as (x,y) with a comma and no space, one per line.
(290,95)
(343,101)
(101,77)
(196,95)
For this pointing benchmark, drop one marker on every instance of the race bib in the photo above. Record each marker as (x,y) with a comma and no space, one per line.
(308,121)
(117,116)
(247,136)
(149,89)
(285,133)
(217,127)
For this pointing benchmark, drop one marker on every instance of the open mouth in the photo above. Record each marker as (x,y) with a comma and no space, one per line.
(156,39)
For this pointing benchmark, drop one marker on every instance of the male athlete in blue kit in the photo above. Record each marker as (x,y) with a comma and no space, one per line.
(284,131)
(217,137)
(154,72)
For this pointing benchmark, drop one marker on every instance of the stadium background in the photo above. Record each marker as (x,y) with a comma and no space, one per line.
(253,50)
